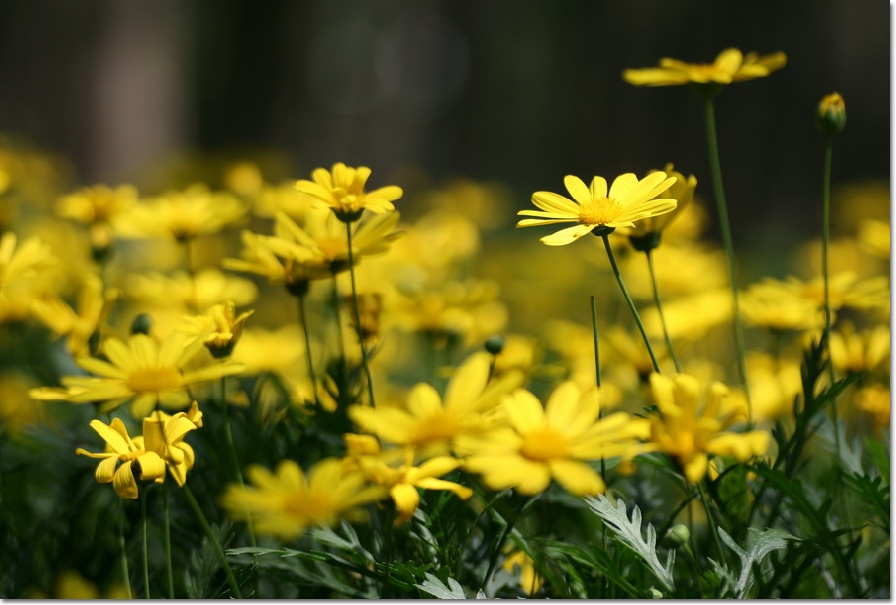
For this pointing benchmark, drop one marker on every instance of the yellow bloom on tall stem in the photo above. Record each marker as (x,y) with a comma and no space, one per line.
(595,209)
(731,65)
(555,442)
(691,432)
(219,328)
(342,190)
(142,371)
(165,434)
(130,452)
(286,502)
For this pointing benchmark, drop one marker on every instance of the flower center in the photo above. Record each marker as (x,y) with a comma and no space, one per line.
(333,247)
(151,380)
(599,212)
(311,506)
(544,444)
(437,427)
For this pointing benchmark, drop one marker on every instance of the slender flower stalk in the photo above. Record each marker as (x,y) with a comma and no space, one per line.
(659,307)
(166,517)
(146,593)
(727,242)
(222,558)
(125,574)
(357,311)
(628,299)
(303,320)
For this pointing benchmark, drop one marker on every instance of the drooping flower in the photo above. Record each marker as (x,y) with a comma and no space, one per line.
(595,208)
(131,453)
(142,371)
(398,472)
(165,434)
(342,190)
(553,442)
(219,328)
(431,425)
(285,502)
(731,65)
(690,430)
(645,234)
(859,350)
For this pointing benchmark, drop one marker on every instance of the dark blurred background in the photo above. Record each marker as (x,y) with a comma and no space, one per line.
(521,92)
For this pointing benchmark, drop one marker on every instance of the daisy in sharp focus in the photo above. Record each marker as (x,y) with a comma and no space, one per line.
(597,209)
(342,190)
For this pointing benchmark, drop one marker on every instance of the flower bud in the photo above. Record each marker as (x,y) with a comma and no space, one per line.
(679,535)
(494,344)
(831,114)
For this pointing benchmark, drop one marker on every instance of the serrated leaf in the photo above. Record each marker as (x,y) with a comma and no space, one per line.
(762,544)
(629,532)
(436,588)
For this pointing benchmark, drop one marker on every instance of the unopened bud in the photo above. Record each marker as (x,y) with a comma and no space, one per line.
(679,535)
(831,114)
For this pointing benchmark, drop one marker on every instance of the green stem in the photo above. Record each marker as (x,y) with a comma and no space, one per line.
(234,459)
(357,310)
(125,574)
(222,558)
(169,569)
(659,307)
(146,593)
(628,299)
(309,362)
(596,345)
(711,523)
(725,227)
(825,240)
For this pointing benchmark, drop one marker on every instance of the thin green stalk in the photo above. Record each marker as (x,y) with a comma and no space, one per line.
(309,362)
(125,574)
(628,299)
(338,316)
(234,459)
(596,345)
(712,525)
(357,309)
(146,593)
(725,227)
(169,569)
(659,307)
(825,240)
(222,558)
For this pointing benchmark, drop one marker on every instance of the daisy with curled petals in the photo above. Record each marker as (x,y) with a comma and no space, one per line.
(690,431)
(431,425)
(731,65)
(595,209)
(286,502)
(133,455)
(396,471)
(342,190)
(165,434)
(553,442)
(142,371)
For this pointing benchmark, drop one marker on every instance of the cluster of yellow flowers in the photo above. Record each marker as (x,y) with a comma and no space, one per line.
(394,306)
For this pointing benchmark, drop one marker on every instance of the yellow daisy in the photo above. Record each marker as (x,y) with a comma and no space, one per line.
(78,326)
(555,442)
(729,66)
(645,235)
(691,432)
(165,434)
(121,448)
(431,425)
(286,502)
(596,209)
(141,371)
(219,328)
(342,190)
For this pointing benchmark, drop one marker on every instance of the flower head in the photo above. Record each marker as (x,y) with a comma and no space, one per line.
(596,209)
(284,503)
(78,326)
(731,65)
(131,453)
(691,432)
(645,235)
(165,434)
(219,329)
(342,190)
(831,114)
(554,442)
(142,371)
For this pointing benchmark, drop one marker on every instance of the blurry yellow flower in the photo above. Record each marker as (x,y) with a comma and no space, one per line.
(165,434)
(555,442)
(219,328)
(853,351)
(402,478)
(201,290)
(99,207)
(682,269)
(284,503)
(17,409)
(691,432)
(244,179)
(431,425)
(876,401)
(131,453)
(729,66)
(774,382)
(594,208)
(25,263)
(519,561)
(831,113)
(763,304)
(282,198)
(845,290)
(142,371)
(874,237)
(183,215)
(72,586)
(342,190)
(77,326)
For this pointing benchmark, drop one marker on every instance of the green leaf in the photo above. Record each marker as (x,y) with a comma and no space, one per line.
(763,543)
(453,590)
(629,532)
